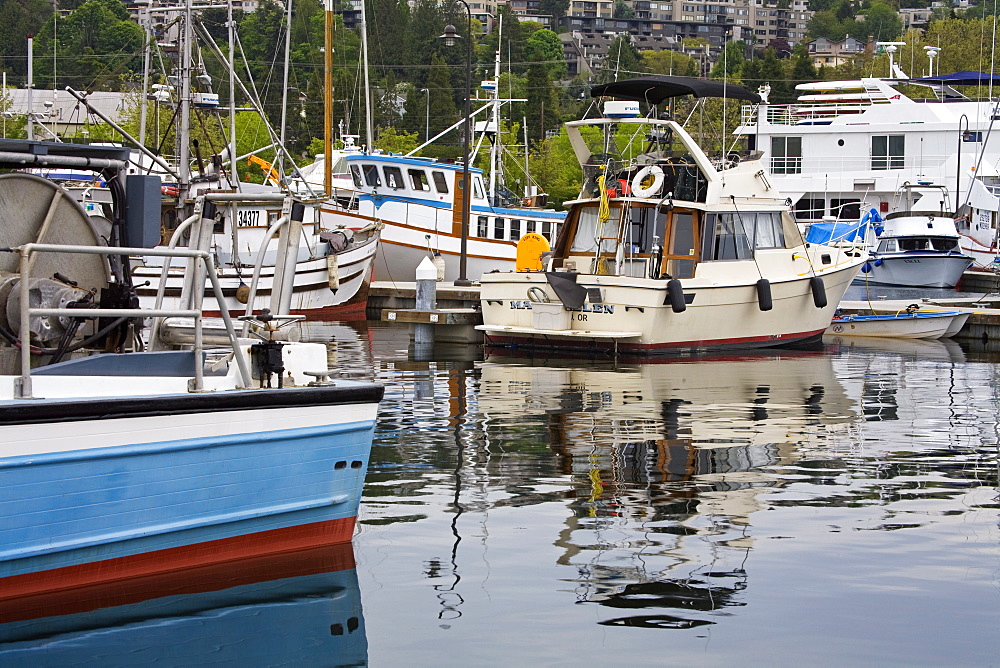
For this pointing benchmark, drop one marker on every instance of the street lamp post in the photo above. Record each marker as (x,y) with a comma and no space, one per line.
(449,37)
(427,115)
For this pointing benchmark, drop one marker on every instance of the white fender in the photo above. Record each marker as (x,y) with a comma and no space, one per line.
(638,190)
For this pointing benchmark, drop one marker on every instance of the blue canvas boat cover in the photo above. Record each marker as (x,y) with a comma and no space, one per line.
(841,230)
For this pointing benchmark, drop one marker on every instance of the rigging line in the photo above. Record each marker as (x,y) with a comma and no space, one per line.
(253,96)
(753,241)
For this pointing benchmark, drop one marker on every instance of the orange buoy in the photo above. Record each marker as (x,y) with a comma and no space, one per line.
(529,252)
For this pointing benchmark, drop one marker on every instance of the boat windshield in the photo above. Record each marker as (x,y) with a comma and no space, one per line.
(734,235)
(926,243)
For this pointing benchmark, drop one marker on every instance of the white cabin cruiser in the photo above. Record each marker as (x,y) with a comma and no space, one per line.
(668,249)
(919,245)
(845,146)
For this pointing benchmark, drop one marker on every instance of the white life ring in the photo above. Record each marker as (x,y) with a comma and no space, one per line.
(638,190)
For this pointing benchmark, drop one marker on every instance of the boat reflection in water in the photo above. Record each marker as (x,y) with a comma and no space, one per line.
(294,608)
(667,463)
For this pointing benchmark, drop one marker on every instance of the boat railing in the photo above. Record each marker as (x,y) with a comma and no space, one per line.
(860,166)
(803,113)
(204,264)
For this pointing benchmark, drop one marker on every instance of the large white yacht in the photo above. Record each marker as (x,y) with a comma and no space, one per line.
(845,146)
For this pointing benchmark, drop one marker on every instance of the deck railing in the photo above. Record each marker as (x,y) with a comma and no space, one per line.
(204,264)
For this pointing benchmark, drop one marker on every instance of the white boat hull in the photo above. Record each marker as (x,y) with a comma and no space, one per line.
(901,326)
(326,288)
(916,270)
(635,315)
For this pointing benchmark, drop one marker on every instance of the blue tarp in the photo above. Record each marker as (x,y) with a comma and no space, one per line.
(826,233)
(842,230)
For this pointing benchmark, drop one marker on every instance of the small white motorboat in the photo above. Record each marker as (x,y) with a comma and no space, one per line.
(908,324)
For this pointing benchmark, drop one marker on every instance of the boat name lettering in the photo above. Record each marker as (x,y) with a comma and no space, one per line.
(248,217)
(596,308)
(586,308)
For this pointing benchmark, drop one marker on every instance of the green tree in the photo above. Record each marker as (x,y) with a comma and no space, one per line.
(555,8)
(556,170)
(215,18)
(622,61)
(802,65)
(545,46)
(771,71)
(444,111)
(669,62)
(826,24)
(392,141)
(623,11)
(98,47)
(543,103)
(881,21)
(730,61)
(15,127)
(18,19)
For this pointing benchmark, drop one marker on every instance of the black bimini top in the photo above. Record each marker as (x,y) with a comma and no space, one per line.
(656,88)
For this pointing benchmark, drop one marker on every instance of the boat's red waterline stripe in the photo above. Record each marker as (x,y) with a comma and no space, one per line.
(557,342)
(205,566)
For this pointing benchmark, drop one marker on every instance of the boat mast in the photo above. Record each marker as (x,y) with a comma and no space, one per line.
(147,29)
(328,98)
(495,150)
(183,130)
(369,144)
(31,86)
(231,25)
(284,93)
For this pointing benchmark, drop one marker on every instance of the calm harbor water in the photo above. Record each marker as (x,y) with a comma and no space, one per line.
(828,507)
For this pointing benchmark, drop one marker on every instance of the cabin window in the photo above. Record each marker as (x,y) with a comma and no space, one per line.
(809,209)
(725,238)
(547,230)
(371,175)
(887,246)
(356,176)
(770,232)
(515,229)
(887,151)
(477,189)
(846,209)
(786,155)
(529,226)
(418,179)
(589,231)
(498,228)
(394,178)
(440,182)
(483,227)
